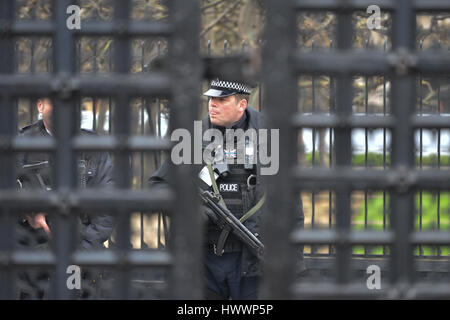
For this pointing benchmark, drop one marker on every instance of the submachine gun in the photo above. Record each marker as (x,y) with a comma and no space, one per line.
(227,221)
(34,176)
(38,175)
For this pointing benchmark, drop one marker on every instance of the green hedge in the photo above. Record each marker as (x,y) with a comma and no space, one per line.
(429,218)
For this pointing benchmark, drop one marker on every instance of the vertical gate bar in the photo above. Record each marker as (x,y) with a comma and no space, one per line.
(110,97)
(159,109)
(142,170)
(79,64)
(8,128)
(209,55)
(79,60)
(32,62)
(260,86)
(158,154)
(332,104)
(94,99)
(366,144)
(31,105)
(16,55)
(48,57)
(122,113)
(439,155)
(313,194)
(146,106)
(159,244)
(184,53)
(420,151)
(64,126)
(280,82)
(403,102)
(33,12)
(343,144)
(384,148)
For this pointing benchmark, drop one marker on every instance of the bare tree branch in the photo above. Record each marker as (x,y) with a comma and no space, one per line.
(211,5)
(224,13)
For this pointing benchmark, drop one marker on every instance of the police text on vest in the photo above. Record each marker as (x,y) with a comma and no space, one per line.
(228,187)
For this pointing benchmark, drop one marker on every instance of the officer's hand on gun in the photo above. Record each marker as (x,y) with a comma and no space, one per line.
(207,214)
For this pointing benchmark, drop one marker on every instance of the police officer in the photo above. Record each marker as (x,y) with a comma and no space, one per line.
(231,270)
(95,172)
(34,170)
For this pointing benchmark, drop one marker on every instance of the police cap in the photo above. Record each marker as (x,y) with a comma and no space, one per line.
(223,88)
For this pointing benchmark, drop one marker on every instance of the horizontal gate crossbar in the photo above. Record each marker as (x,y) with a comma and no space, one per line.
(110,200)
(360,291)
(334,121)
(403,180)
(84,143)
(361,5)
(332,291)
(301,120)
(356,62)
(29,144)
(112,258)
(431,238)
(111,143)
(430,122)
(323,237)
(28,258)
(94,28)
(155,84)
(302,236)
(431,264)
(146,200)
(338,5)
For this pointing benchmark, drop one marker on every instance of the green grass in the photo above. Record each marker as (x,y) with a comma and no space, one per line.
(429,218)
(375,203)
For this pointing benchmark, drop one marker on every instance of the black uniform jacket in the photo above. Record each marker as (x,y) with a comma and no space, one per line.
(94,229)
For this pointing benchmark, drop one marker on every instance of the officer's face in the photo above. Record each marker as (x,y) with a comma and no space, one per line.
(224,111)
(45,108)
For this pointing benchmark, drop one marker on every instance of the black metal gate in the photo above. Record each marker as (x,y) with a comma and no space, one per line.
(179,80)
(282,65)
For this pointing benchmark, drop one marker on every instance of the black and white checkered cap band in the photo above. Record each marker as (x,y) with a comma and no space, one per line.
(229,85)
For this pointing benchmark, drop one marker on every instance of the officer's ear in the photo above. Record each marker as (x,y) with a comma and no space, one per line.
(40,105)
(242,104)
